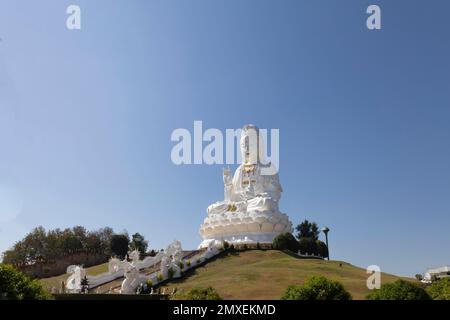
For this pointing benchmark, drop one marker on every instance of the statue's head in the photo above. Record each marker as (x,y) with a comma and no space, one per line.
(252,146)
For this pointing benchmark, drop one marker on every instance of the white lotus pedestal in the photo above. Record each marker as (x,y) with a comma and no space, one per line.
(244,228)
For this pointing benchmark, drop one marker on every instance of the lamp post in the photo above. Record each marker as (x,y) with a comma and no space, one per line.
(325,230)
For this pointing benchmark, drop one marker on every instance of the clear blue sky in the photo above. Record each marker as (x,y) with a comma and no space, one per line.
(86,117)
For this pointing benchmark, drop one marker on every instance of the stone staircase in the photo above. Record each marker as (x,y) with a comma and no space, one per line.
(115,285)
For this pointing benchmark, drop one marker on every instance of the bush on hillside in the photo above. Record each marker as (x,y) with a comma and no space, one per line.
(322,249)
(399,290)
(440,289)
(317,288)
(285,241)
(197,294)
(170,273)
(308,245)
(14,285)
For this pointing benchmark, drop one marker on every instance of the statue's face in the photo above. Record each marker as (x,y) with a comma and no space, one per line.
(249,146)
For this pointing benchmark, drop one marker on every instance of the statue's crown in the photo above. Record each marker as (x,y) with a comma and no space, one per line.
(249,127)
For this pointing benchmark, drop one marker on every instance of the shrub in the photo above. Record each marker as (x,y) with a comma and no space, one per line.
(159,277)
(440,290)
(226,245)
(399,290)
(170,273)
(197,294)
(308,245)
(149,284)
(188,263)
(317,288)
(322,248)
(285,241)
(17,286)
(181,265)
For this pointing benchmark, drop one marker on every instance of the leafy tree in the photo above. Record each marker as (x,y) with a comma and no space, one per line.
(197,294)
(119,245)
(42,246)
(71,243)
(93,243)
(105,235)
(440,289)
(139,243)
(419,277)
(307,229)
(15,285)
(317,288)
(285,241)
(399,290)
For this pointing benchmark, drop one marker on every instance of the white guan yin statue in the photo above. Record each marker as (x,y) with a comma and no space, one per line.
(249,213)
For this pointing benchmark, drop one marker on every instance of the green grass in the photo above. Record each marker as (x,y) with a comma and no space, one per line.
(257,274)
(55,282)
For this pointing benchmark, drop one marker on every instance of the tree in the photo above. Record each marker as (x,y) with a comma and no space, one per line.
(119,245)
(197,294)
(399,290)
(42,246)
(139,243)
(105,235)
(317,288)
(285,241)
(15,285)
(93,243)
(307,229)
(440,289)
(419,277)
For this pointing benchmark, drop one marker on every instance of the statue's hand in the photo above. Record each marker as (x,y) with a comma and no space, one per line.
(226,176)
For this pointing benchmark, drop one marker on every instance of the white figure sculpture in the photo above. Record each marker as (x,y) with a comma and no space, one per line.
(249,212)
(134,257)
(132,280)
(73,283)
(171,260)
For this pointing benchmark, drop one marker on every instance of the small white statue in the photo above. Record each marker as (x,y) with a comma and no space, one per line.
(73,283)
(134,256)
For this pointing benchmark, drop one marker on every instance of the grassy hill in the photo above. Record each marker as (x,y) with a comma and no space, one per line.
(260,274)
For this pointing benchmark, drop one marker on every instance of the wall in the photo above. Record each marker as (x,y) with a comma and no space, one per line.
(54,268)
